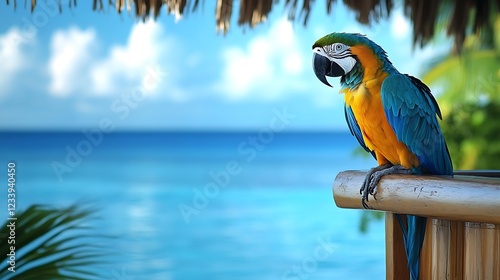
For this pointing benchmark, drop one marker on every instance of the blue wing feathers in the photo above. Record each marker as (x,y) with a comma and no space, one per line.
(411,110)
(425,89)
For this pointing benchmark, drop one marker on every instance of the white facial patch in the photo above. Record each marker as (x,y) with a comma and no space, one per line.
(346,63)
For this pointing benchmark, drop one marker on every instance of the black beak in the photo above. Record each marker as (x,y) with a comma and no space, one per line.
(324,67)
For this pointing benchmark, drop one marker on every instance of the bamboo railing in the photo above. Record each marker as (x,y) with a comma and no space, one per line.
(463,230)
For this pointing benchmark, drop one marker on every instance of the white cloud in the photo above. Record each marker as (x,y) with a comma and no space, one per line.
(76,68)
(11,58)
(127,63)
(70,55)
(269,66)
(400,26)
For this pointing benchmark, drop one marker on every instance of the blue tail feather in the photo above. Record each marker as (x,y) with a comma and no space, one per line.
(413,235)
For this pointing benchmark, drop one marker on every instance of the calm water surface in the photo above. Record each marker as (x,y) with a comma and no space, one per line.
(206,205)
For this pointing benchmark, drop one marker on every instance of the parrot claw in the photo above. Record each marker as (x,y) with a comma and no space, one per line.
(373,177)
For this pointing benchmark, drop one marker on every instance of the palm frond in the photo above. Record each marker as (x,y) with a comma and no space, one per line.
(52,243)
(473,75)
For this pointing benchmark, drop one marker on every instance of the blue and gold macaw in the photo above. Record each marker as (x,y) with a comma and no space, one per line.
(392,115)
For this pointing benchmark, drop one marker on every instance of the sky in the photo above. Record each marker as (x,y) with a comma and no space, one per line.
(75,69)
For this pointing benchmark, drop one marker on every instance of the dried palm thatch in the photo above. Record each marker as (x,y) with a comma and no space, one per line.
(461,16)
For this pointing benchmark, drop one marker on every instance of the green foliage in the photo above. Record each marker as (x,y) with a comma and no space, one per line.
(469,88)
(367,217)
(51,243)
(472,134)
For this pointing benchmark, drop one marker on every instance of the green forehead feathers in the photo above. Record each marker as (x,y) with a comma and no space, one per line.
(349,39)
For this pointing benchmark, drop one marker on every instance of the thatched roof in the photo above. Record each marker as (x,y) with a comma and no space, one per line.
(461,17)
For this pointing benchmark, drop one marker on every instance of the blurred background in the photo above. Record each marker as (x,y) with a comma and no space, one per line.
(196,142)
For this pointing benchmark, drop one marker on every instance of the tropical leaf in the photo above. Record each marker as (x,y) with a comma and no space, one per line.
(472,77)
(52,243)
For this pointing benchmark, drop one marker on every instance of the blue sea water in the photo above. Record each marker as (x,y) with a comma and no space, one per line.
(206,205)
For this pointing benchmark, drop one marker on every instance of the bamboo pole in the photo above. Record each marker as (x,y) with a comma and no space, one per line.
(395,255)
(462,198)
(482,251)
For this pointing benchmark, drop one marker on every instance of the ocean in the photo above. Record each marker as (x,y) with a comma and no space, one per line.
(205,205)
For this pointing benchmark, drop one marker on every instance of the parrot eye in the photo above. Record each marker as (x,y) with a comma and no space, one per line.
(338,47)
(335,49)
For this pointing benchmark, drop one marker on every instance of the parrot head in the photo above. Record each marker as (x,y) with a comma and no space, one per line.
(339,54)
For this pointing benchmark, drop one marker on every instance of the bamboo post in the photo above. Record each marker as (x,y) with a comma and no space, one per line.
(462,198)
(463,227)
(394,250)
